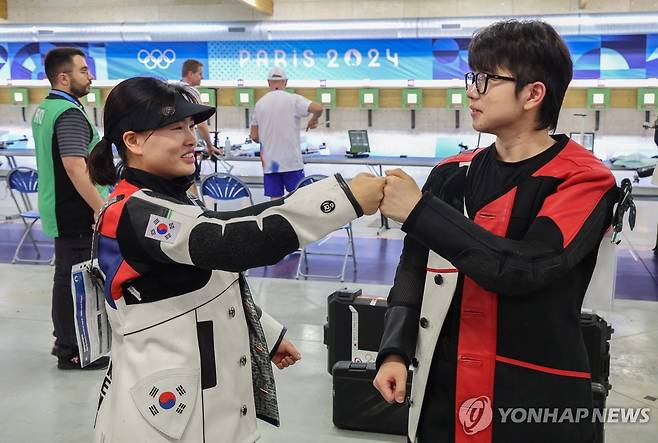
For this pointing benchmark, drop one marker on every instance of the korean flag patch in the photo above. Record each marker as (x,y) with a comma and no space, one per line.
(162,229)
(166,399)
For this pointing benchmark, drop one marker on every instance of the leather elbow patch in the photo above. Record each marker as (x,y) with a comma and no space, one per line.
(242,245)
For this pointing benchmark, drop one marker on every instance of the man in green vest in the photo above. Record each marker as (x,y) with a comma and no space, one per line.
(68,201)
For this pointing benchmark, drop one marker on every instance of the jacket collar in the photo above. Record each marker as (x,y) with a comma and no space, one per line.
(176,188)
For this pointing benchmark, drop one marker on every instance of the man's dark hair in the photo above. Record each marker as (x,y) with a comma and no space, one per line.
(59,60)
(533,52)
(190,65)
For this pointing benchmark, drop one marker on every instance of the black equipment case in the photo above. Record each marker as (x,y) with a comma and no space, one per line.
(354,328)
(599,394)
(597,333)
(356,403)
(358,406)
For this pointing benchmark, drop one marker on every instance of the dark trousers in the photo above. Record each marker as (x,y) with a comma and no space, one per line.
(68,252)
(437,418)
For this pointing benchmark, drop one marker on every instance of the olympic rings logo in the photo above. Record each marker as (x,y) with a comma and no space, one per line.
(156,58)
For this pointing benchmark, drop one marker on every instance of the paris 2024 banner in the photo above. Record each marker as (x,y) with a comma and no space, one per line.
(594,57)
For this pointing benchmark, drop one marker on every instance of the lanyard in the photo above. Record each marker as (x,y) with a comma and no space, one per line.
(68,97)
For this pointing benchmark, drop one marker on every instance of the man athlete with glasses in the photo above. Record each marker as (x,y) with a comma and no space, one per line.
(500,248)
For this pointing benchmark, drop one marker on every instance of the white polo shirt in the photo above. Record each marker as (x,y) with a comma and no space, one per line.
(278,117)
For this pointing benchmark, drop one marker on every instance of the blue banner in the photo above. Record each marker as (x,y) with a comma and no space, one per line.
(160,59)
(594,57)
(322,60)
(609,56)
(652,56)
(449,58)
(24,61)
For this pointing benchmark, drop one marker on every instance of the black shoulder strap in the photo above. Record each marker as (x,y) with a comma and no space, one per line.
(624,203)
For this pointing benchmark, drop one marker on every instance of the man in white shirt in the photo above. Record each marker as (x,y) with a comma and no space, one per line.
(275,124)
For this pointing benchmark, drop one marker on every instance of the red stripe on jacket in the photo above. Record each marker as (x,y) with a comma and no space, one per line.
(462,157)
(113,213)
(540,368)
(478,333)
(585,180)
(108,228)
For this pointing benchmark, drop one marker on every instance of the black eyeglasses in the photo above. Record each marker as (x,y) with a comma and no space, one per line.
(481,80)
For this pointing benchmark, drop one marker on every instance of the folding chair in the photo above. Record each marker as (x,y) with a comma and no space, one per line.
(224,187)
(23,181)
(349,248)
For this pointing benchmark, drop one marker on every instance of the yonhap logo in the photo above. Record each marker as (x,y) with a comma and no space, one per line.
(475,414)
(156,58)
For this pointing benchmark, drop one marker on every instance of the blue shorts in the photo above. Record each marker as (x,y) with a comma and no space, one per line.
(276,181)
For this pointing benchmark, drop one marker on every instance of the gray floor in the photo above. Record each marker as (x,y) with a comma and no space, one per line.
(43,404)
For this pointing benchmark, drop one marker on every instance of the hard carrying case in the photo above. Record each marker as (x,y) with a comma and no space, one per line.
(354,328)
(599,395)
(358,406)
(597,333)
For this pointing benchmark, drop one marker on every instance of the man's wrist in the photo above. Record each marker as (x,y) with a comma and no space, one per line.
(393,358)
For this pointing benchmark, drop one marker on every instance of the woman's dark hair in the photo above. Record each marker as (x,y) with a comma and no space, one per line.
(533,52)
(131,97)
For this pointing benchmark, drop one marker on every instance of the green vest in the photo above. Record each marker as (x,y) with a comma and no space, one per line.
(43,129)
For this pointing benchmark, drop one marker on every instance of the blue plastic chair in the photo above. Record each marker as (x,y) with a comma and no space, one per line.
(349,249)
(223,187)
(23,181)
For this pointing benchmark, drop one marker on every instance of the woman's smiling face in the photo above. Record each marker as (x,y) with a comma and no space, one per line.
(168,151)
